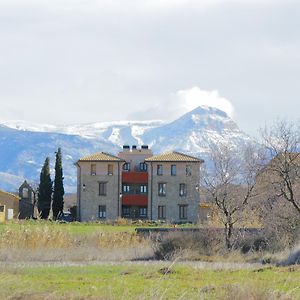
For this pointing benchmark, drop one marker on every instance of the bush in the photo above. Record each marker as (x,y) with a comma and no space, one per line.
(207,242)
(292,259)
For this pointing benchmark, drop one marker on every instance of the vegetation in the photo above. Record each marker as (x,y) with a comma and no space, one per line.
(282,141)
(148,281)
(58,191)
(114,262)
(230,184)
(45,191)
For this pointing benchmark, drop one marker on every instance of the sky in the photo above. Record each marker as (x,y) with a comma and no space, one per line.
(81,61)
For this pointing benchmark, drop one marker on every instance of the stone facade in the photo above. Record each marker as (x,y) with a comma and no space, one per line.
(180,191)
(98,191)
(131,186)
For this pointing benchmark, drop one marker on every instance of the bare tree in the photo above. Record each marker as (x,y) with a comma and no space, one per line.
(282,174)
(230,183)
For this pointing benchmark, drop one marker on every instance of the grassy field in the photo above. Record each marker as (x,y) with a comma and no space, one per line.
(47,260)
(127,281)
(82,228)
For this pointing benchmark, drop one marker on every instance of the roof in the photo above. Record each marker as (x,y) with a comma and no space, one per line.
(13,196)
(101,156)
(173,156)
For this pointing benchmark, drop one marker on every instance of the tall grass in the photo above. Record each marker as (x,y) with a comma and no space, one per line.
(47,242)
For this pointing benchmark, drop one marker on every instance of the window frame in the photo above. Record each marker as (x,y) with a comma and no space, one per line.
(126,188)
(182,211)
(102,213)
(102,192)
(110,169)
(162,189)
(143,167)
(159,170)
(172,170)
(188,170)
(143,189)
(144,209)
(127,210)
(161,212)
(93,169)
(25,193)
(126,166)
(182,190)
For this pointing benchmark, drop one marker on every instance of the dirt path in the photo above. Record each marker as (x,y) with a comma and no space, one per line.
(194,264)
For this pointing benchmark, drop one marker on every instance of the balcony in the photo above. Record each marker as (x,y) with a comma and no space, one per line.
(134,177)
(139,200)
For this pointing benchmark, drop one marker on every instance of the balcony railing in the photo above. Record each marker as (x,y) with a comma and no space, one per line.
(134,177)
(139,200)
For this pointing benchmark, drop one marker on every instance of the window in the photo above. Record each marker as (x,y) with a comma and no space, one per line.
(102,188)
(143,212)
(162,212)
(182,189)
(143,189)
(162,189)
(188,170)
(173,170)
(126,188)
(93,169)
(110,169)
(159,169)
(126,167)
(183,211)
(126,211)
(102,211)
(143,167)
(25,193)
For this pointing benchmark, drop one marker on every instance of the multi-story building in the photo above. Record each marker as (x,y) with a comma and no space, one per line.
(138,185)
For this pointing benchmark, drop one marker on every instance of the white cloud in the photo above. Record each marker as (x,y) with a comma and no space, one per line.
(194,97)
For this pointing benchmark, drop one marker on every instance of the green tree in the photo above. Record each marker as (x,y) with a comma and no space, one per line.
(45,191)
(58,193)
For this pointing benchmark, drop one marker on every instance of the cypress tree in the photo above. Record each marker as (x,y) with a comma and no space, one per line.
(58,193)
(45,191)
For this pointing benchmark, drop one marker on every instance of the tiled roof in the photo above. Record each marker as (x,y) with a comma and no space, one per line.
(173,156)
(13,197)
(100,156)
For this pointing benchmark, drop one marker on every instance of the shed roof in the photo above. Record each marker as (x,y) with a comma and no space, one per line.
(10,195)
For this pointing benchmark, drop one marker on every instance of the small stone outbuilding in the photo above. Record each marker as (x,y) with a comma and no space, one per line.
(10,201)
(27,200)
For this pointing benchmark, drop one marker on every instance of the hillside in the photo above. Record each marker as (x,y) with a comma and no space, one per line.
(24,146)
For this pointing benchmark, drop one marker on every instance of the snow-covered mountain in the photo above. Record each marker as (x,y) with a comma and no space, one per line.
(24,146)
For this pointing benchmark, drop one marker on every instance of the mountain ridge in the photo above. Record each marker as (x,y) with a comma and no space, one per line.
(23,148)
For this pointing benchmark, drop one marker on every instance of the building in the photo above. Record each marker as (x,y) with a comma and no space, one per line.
(27,200)
(136,184)
(9,205)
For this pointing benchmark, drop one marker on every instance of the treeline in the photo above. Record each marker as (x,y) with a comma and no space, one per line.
(257,186)
(51,193)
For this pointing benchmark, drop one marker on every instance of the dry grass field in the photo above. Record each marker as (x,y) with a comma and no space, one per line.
(47,260)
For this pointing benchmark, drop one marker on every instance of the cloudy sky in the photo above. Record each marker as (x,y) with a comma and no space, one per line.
(78,61)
